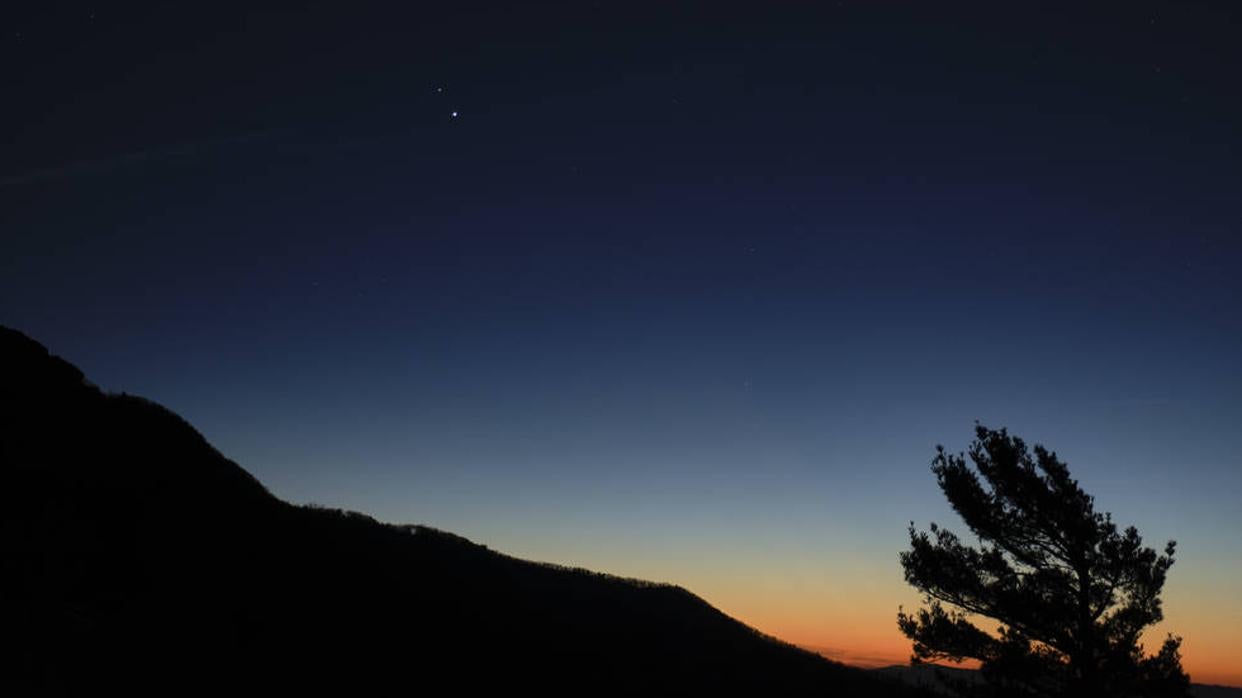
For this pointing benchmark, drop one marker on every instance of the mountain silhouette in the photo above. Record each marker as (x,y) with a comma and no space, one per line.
(137,558)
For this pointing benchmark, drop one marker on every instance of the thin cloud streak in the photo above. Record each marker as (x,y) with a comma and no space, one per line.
(103,165)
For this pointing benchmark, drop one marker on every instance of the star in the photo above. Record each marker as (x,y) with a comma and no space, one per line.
(454,115)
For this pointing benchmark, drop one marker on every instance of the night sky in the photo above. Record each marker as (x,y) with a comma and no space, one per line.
(686,293)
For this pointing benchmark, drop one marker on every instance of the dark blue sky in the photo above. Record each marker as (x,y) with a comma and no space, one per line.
(689,283)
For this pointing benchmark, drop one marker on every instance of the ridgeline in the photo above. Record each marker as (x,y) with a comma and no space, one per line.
(138,559)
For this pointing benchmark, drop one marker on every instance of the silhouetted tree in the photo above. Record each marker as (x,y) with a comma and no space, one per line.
(1072,593)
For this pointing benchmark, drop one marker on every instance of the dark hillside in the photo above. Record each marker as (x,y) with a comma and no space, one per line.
(941,680)
(137,558)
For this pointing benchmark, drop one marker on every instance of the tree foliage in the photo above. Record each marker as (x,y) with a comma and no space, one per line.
(1072,593)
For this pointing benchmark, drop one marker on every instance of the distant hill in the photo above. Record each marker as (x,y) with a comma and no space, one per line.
(930,676)
(139,560)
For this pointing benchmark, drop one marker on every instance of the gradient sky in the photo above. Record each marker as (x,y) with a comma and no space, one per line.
(687,294)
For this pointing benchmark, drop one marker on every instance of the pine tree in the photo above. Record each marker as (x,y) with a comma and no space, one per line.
(1071,592)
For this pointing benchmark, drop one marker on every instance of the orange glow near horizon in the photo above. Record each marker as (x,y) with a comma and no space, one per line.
(1207,654)
(861,629)
(843,604)
(1204,666)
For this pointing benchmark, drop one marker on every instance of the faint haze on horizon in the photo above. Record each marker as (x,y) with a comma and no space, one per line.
(681,295)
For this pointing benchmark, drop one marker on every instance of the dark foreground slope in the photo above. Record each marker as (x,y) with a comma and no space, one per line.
(135,556)
(940,680)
